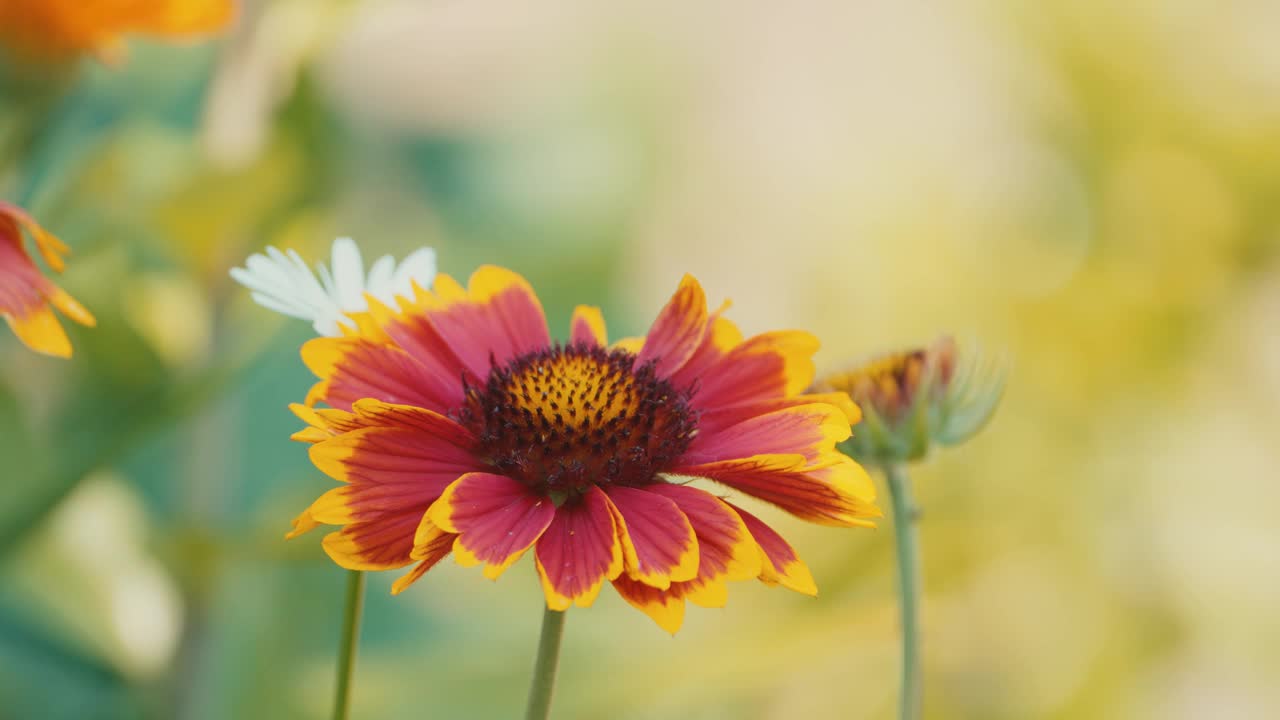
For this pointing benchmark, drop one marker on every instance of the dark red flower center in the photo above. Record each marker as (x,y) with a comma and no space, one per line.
(566,418)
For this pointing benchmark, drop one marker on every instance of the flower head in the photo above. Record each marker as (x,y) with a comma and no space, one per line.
(27,297)
(457,425)
(281,281)
(52,29)
(914,399)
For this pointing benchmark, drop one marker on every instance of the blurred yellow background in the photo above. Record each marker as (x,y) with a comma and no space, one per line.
(1092,187)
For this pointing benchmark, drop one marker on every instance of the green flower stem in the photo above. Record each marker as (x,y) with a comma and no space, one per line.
(544,669)
(904,532)
(347,645)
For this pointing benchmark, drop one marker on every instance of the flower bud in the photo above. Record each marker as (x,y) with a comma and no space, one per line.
(916,399)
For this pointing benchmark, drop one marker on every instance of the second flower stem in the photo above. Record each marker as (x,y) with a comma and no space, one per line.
(348,643)
(544,669)
(904,532)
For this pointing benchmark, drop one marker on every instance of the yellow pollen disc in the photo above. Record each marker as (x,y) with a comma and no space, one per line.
(565,418)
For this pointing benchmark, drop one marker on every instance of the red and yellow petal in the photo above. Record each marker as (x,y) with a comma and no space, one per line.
(383,542)
(726,550)
(708,594)
(40,331)
(376,413)
(411,328)
(445,291)
(677,332)
(782,565)
(763,368)
(51,248)
(352,368)
(719,337)
(323,423)
(70,307)
(27,298)
(496,519)
(659,546)
(809,430)
(839,493)
(498,317)
(396,462)
(663,607)
(715,420)
(841,401)
(406,449)
(629,344)
(419,352)
(428,549)
(579,551)
(302,524)
(839,470)
(331,508)
(403,582)
(587,327)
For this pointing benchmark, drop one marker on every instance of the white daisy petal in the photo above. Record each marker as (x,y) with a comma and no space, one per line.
(326,279)
(348,274)
(271,302)
(280,262)
(266,279)
(267,271)
(327,324)
(304,282)
(379,282)
(419,266)
(283,282)
(249,279)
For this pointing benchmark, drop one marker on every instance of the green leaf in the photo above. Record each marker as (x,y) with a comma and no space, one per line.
(24,459)
(44,676)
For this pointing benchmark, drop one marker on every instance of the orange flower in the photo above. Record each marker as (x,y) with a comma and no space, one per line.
(51,29)
(25,294)
(458,425)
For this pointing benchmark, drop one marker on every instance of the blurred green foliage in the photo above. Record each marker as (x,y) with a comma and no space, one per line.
(1091,186)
